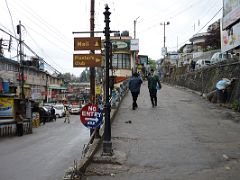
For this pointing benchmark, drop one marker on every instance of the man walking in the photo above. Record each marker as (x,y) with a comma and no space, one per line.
(53,115)
(67,115)
(134,86)
(153,81)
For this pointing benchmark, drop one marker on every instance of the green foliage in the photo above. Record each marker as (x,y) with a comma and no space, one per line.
(152,63)
(85,76)
(235,105)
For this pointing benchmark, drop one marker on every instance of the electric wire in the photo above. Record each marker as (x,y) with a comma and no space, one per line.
(10,17)
(42,24)
(200,28)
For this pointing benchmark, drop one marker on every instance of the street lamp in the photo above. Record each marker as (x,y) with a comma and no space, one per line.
(134,55)
(135,23)
(164,37)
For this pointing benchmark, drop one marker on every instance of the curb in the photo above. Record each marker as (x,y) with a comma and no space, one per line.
(78,170)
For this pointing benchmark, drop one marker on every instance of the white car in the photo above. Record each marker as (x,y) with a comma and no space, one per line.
(75,110)
(202,63)
(59,110)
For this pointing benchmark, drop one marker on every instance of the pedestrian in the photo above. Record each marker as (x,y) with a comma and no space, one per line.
(224,89)
(43,115)
(153,82)
(53,115)
(134,86)
(67,115)
(19,124)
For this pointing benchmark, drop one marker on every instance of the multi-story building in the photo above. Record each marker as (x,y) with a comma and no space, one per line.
(123,61)
(39,85)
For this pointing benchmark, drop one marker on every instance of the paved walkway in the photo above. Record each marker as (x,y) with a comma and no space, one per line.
(184,137)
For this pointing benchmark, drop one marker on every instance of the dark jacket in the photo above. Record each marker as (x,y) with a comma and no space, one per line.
(153,80)
(135,84)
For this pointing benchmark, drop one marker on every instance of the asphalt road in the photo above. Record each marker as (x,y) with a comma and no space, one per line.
(184,138)
(45,154)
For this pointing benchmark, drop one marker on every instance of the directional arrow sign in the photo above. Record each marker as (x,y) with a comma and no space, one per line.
(91,116)
(87,43)
(87,60)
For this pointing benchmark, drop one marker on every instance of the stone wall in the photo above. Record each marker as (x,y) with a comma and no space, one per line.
(205,79)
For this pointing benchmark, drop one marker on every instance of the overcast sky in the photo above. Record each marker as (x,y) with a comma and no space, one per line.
(49,24)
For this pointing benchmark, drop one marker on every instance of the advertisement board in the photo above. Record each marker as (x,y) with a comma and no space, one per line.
(143,59)
(231,12)
(230,40)
(6,107)
(121,45)
(134,45)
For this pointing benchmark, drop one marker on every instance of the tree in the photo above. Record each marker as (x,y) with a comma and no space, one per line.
(213,41)
(85,76)
(152,63)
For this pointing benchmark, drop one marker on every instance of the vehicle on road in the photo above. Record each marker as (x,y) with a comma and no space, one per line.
(219,57)
(75,109)
(45,113)
(59,110)
(202,63)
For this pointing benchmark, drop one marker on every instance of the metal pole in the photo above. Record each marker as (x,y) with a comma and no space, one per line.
(134,23)
(107,144)
(92,69)
(164,38)
(134,53)
(21,60)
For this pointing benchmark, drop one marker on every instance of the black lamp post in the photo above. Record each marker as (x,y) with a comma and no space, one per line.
(107,144)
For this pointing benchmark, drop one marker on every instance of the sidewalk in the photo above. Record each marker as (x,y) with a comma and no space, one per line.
(169,141)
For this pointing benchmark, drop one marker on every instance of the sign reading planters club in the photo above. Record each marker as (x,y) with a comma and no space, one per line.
(121,45)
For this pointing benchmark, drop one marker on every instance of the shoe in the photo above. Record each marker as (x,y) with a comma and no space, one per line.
(133,108)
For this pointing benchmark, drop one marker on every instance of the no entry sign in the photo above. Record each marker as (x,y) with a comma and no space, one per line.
(91,116)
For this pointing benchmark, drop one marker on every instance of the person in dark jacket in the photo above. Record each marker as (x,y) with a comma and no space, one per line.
(19,124)
(153,81)
(134,86)
(53,115)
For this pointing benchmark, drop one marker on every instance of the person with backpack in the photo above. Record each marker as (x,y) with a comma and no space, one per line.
(134,86)
(153,85)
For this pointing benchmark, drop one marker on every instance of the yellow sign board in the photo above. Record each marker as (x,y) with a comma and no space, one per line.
(98,89)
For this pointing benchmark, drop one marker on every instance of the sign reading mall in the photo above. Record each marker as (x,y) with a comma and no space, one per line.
(87,60)
(86,43)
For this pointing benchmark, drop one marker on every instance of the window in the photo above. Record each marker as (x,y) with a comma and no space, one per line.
(121,61)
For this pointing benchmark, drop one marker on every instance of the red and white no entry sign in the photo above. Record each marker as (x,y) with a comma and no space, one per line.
(91,116)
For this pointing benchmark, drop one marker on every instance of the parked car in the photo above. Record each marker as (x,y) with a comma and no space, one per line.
(75,109)
(218,57)
(202,63)
(59,110)
(45,113)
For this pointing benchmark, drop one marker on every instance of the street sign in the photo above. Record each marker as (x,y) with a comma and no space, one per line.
(98,89)
(91,116)
(87,43)
(87,60)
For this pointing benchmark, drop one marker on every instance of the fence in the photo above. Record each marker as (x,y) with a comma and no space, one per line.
(8,127)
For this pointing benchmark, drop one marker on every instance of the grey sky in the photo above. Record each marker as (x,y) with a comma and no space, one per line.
(49,24)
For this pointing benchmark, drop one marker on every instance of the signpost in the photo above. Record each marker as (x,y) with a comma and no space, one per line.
(87,43)
(91,116)
(87,60)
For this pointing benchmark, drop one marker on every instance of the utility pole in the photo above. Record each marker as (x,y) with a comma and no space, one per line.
(21,60)
(134,53)
(164,37)
(107,144)
(92,69)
